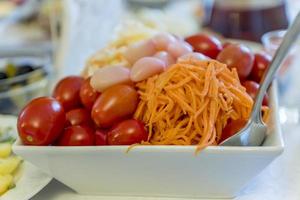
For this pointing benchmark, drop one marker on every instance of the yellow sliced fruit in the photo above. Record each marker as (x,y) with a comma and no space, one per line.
(17,174)
(5,150)
(8,165)
(5,182)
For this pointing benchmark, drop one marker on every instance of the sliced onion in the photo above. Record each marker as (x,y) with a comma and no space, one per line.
(145,68)
(139,50)
(108,76)
(165,57)
(177,49)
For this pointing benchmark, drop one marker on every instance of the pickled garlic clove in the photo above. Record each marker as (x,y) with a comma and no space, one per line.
(165,57)
(139,50)
(192,55)
(179,48)
(145,68)
(162,41)
(108,76)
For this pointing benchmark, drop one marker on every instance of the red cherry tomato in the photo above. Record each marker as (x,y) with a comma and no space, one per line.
(88,95)
(261,63)
(252,89)
(205,44)
(101,137)
(79,116)
(67,92)
(41,121)
(79,135)
(114,104)
(237,56)
(127,132)
(232,128)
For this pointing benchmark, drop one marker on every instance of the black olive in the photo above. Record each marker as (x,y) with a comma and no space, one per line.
(3,87)
(3,75)
(38,67)
(23,69)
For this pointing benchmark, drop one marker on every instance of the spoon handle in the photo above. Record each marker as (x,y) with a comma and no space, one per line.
(288,40)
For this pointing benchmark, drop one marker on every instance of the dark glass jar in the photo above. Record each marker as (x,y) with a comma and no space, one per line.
(245,19)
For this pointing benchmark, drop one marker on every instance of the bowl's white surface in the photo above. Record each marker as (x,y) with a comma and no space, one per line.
(173,171)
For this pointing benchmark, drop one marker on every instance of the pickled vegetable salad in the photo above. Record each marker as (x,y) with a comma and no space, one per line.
(9,163)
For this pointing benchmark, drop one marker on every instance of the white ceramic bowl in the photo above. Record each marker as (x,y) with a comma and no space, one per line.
(174,171)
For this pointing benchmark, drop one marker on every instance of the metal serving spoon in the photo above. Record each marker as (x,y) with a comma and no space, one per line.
(254,133)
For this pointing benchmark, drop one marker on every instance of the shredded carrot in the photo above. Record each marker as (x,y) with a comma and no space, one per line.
(265,113)
(191,103)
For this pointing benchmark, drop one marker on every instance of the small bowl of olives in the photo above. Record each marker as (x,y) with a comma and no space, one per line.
(22,78)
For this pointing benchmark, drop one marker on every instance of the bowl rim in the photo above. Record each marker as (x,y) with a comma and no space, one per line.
(17,146)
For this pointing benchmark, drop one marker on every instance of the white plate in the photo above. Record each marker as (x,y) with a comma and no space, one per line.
(31,180)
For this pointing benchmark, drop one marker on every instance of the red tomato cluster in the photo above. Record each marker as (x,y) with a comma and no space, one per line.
(250,67)
(77,115)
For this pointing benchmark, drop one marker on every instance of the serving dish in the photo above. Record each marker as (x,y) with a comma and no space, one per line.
(171,171)
(32,181)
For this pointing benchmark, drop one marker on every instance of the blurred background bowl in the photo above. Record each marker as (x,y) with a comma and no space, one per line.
(23,77)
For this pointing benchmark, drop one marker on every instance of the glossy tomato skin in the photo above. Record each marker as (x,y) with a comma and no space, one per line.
(252,89)
(232,128)
(88,95)
(41,121)
(237,56)
(261,63)
(101,137)
(67,92)
(205,44)
(114,104)
(79,116)
(79,135)
(127,132)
